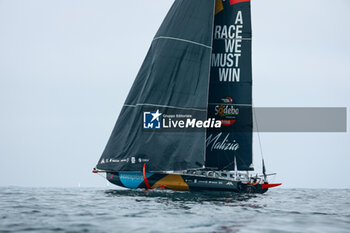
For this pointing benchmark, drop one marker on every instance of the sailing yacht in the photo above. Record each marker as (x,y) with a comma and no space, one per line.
(187,122)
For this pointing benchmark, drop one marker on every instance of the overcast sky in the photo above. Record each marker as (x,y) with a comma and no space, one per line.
(66,68)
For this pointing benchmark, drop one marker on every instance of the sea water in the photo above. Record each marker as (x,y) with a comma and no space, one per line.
(113,210)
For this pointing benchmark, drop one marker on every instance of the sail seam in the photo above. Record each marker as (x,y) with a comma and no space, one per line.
(183,40)
(163,106)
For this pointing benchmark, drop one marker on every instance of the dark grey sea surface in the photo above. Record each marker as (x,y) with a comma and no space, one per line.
(112,210)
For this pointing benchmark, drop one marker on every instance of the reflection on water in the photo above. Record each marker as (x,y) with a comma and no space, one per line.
(185,197)
(188,199)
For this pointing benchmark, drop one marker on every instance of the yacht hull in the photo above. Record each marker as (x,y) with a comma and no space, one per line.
(181,182)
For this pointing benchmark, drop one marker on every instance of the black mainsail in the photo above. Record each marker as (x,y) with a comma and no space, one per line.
(175,74)
(230,91)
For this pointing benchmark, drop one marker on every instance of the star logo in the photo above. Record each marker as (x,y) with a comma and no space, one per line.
(151,120)
(156,115)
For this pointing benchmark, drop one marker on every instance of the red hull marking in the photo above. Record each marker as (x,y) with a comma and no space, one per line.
(266,186)
(238,1)
(254,183)
(145,177)
(99,171)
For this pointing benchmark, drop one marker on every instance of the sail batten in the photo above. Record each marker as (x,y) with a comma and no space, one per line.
(183,40)
(164,106)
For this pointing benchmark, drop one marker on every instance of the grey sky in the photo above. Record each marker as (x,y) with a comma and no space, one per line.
(66,68)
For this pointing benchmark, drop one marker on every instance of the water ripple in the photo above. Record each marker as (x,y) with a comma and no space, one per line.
(112,210)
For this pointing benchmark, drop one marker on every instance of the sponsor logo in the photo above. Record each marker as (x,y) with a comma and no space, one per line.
(227,122)
(217,143)
(152,120)
(227,111)
(132,160)
(227,100)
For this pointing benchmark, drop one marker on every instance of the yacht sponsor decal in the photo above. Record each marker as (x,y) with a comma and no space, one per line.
(133,160)
(227,111)
(227,100)
(220,142)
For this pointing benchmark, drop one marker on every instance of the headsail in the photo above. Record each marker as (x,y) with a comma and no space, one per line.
(230,91)
(174,74)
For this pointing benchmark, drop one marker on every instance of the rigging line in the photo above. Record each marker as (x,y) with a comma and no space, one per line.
(183,40)
(99,174)
(227,166)
(240,160)
(257,130)
(164,106)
